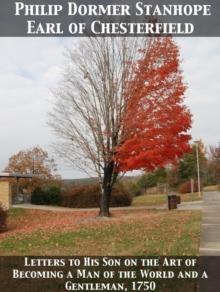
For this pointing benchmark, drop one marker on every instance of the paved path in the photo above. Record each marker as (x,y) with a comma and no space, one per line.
(197,205)
(210,243)
(65,209)
(210,238)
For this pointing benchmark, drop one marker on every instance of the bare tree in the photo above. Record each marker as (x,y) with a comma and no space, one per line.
(214,163)
(89,105)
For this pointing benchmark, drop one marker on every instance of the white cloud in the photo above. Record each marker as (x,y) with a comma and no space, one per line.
(201,61)
(29,69)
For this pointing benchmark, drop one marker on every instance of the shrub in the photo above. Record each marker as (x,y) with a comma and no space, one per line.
(53,195)
(120,197)
(81,196)
(136,189)
(48,196)
(37,196)
(3,219)
(88,196)
(186,187)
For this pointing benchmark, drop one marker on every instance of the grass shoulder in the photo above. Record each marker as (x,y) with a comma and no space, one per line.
(159,199)
(130,233)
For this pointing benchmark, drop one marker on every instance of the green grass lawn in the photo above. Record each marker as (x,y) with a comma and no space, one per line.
(158,199)
(211,188)
(126,233)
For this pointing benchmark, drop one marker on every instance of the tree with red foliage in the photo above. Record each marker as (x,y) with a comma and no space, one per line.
(156,122)
(120,107)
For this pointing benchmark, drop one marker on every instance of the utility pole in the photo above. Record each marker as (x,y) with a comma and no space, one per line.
(198,167)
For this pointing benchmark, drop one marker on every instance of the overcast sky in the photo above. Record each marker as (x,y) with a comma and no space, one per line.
(31,67)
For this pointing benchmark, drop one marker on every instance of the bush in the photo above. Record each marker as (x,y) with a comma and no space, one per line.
(3,219)
(120,197)
(136,189)
(37,196)
(53,195)
(48,196)
(186,187)
(81,196)
(88,196)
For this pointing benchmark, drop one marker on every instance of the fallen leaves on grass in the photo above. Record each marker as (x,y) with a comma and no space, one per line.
(127,232)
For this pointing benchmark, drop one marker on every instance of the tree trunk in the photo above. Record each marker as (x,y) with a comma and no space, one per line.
(106,191)
(105,202)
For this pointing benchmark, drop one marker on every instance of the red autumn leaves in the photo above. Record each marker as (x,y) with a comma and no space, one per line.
(156,121)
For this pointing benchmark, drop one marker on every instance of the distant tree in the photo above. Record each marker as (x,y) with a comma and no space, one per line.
(187,166)
(173,179)
(214,163)
(146,181)
(152,179)
(149,180)
(34,161)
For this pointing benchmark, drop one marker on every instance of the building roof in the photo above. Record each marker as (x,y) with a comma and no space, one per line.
(15,175)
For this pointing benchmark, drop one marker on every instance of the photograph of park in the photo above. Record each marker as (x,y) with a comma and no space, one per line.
(97,166)
(110,147)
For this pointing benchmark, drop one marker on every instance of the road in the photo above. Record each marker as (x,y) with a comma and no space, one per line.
(196,205)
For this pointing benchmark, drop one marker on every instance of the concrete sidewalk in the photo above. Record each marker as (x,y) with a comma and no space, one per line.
(210,238)
(66,209)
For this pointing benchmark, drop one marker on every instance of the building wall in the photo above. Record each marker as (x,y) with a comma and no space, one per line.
(5,194)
